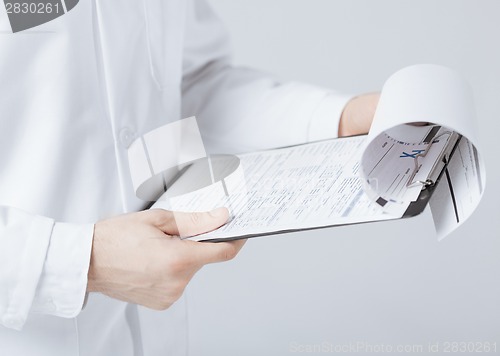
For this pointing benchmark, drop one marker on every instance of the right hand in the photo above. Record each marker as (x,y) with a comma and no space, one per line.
(139,258)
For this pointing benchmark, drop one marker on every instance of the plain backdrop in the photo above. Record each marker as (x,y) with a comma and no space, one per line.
(387,283)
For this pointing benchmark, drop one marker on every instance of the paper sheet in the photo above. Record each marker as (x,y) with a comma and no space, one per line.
(438,95)
(459,191)
(292,188)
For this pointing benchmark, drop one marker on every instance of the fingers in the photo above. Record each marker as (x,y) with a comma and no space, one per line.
(209,252)
(191,224)
(188,224)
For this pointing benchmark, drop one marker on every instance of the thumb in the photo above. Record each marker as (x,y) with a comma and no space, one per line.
(191,224)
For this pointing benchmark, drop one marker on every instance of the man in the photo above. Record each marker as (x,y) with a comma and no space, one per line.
(74,94)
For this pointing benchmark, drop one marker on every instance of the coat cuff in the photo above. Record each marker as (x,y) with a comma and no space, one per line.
(63,283)
(28,251)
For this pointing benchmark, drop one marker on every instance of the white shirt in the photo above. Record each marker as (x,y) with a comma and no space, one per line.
(74,93)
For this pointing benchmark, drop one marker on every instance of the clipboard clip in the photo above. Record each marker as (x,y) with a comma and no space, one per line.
(441,163)
(425,183)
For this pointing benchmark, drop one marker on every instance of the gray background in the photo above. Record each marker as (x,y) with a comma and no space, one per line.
(389,283)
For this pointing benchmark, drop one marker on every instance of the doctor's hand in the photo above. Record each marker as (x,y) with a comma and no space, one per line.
(358,114)
(139,257)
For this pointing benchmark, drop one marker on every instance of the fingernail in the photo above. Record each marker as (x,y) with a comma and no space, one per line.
(218,213)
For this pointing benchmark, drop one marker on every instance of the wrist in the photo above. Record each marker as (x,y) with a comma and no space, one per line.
(358,115)
(91,275)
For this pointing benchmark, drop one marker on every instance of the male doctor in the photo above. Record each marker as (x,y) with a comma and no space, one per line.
(75,92)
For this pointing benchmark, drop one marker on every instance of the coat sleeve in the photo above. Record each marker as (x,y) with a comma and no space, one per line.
(241,109)
(43,266)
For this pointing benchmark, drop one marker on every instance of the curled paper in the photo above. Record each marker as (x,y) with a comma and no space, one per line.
(156,158)
(159,158)
(170,166)
(424,130)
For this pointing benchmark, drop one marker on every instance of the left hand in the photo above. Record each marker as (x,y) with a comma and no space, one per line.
(358,114)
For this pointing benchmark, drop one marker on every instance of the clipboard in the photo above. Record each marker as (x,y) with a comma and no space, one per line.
(415,207)
(429,185)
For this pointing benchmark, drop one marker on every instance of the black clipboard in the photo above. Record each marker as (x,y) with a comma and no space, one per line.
(415,208)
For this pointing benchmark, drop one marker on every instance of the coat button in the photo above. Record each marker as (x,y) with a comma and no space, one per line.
(127,136)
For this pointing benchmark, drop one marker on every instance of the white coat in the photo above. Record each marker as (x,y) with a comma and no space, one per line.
(74,93)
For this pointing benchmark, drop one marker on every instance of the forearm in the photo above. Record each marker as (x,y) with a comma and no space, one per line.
(358,115)
(242,110)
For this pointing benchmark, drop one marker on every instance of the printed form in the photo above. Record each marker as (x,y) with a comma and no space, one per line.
(292,188)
